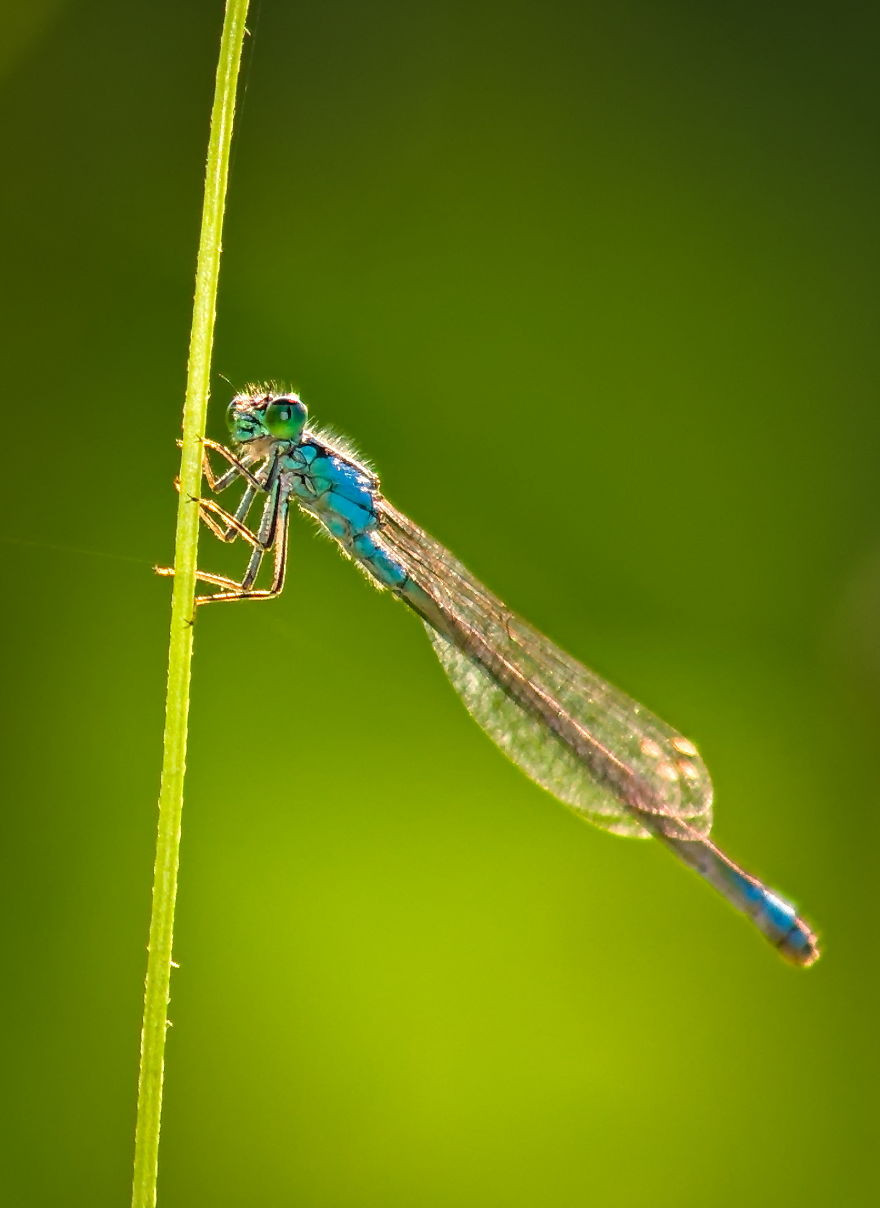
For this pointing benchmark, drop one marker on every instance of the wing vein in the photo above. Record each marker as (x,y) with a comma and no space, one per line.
(589,744)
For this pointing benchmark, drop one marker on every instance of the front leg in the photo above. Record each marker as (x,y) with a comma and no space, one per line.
(238,469)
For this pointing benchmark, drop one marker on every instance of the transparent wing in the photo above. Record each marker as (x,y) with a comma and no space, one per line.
(589,744)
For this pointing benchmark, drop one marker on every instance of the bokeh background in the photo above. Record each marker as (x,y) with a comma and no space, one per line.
(596,289)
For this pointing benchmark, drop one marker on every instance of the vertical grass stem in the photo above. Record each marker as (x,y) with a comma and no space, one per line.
(157,989)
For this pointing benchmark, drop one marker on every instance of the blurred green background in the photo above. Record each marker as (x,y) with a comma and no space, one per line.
(595,287)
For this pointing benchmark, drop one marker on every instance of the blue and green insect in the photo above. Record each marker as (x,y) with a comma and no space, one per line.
(590,745)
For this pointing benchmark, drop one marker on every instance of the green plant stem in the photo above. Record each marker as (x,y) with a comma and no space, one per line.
(157,990)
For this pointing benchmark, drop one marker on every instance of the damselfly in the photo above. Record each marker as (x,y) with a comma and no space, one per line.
(588,744)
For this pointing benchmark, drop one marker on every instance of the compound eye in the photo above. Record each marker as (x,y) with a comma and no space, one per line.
(285,418)
(231,416)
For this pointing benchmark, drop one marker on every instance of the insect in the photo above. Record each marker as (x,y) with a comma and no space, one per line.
(590,745)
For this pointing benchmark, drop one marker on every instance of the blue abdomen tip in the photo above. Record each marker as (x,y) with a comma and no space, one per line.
(799,944)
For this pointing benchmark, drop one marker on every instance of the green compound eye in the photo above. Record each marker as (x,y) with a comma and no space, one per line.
(231,416)
(285,418)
